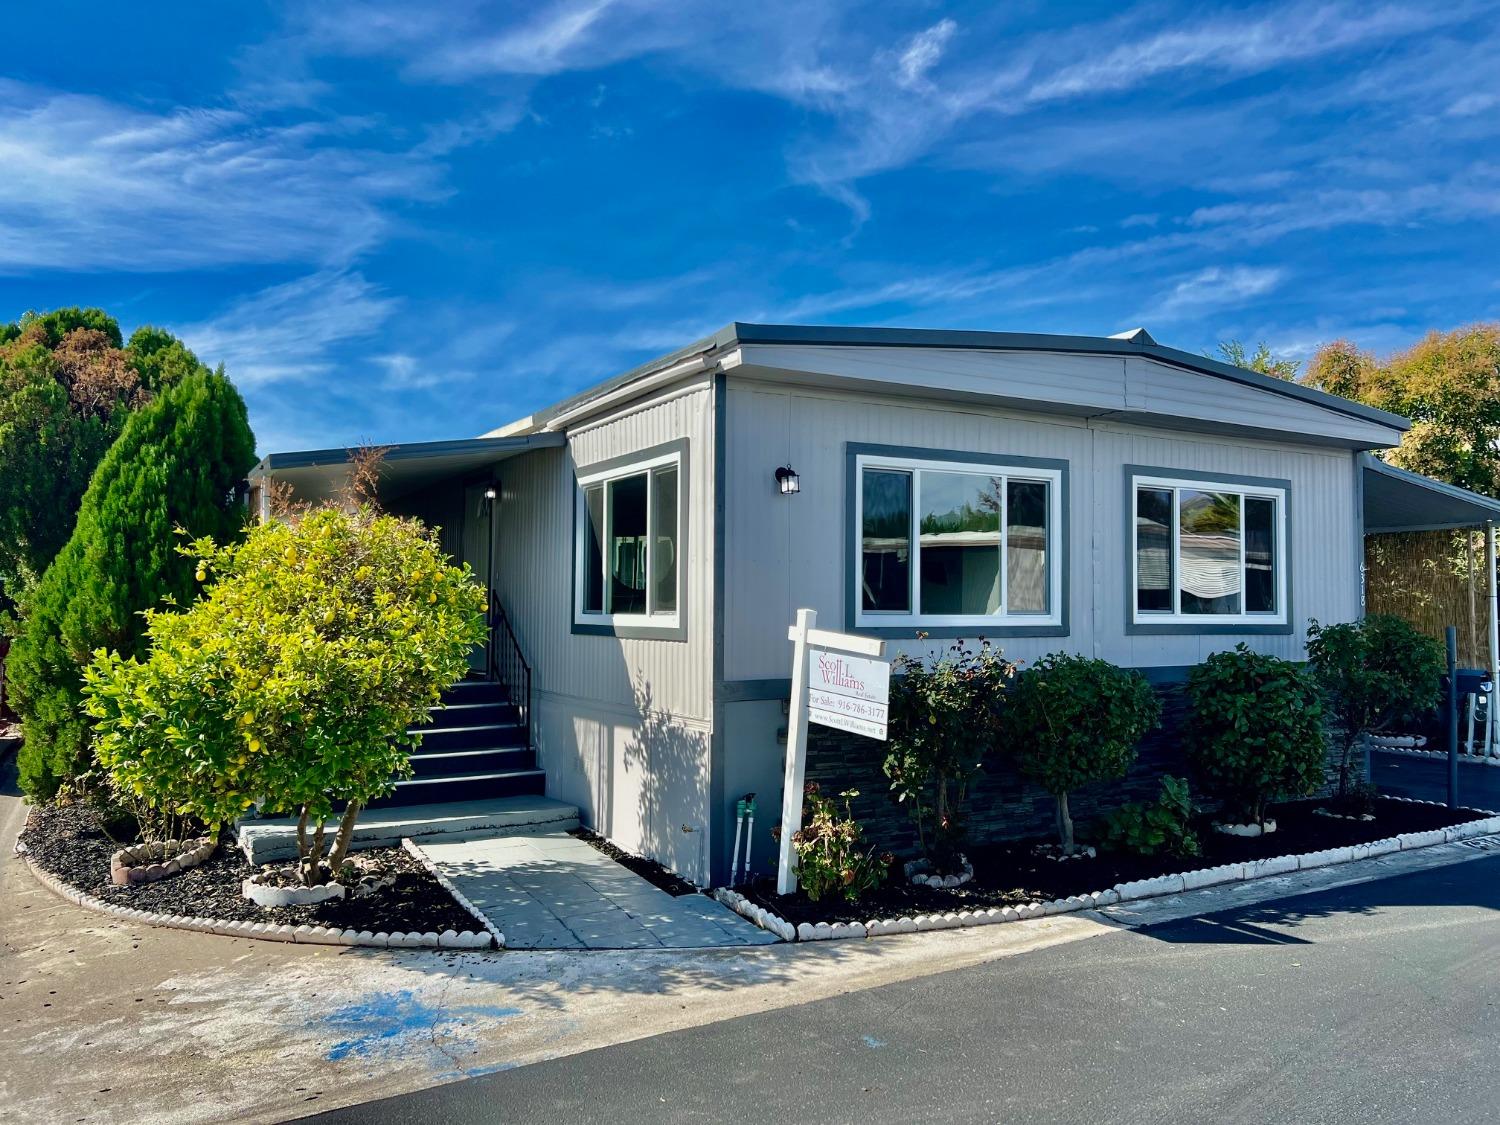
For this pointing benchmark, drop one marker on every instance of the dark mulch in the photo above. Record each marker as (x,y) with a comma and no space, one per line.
(1011,874)
(66,841)
(648,869)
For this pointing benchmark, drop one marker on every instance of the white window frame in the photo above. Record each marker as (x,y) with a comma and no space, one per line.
(649,619)
(1175,616)
(876,619)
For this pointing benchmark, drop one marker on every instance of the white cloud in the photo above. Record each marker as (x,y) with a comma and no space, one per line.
(1215,287)
(923,53)
(291,332)
(92,184)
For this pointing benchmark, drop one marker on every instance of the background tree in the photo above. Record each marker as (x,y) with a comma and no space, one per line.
(295,680)
(1262,360)
(176,465)
(1448,384)
(66,388)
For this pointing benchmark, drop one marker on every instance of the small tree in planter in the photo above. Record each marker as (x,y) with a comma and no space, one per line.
(944,721)
(291,683)
(1071,720)
(832,856)
(1255,730)
(1373,673)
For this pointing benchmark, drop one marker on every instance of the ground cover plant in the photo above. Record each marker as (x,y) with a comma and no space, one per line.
(1072,720)
(1374,674)
(1254,731)
(1160,827)
(945,714)
(293,681)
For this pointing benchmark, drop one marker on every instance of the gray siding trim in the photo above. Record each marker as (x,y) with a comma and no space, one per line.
(679,632)
(1209,628)
(1359,530)
(853,450)
(718,861)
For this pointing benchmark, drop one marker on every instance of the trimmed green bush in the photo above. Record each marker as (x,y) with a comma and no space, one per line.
(1162,827)
(1374,673)
(1071,720)
(1255,731)
(175,469)
(294,681)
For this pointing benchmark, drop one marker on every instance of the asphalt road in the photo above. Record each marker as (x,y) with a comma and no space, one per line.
(1372,1003)
(1427,780)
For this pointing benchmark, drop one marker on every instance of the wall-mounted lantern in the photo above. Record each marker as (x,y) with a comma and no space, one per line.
(787,481)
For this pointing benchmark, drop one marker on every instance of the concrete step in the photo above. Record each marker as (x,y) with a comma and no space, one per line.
(465,787)
(268,841)
(475,737)
(490,759)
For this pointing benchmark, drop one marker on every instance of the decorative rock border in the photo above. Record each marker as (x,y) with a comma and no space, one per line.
(1264,828)
(147,863)
(1435,755)
(261,931)
(273,894)
(415,851)
(1121,892)
(918,872)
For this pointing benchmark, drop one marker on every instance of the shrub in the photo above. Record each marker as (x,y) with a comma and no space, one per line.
(1373,673)
(293,681)
(1071,720)
(1162,827)
(831,856)
(176,466)
(1255,730)
(943,722)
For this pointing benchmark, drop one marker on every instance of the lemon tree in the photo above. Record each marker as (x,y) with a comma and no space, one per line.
(292,682)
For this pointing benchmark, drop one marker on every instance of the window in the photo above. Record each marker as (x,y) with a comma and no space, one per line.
(1208,552)
(628,536)
(954,543)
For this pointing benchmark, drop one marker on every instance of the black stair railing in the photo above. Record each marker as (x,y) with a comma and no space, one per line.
(507,665)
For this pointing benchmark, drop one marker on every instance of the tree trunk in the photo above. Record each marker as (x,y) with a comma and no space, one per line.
(1065,824)
(302,845)
(344,837)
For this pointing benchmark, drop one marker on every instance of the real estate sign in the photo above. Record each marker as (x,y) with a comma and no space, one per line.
(848,692)
(839,680)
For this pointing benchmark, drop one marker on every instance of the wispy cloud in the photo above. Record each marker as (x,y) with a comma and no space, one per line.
(92,184)
(923,53)
(1215,287)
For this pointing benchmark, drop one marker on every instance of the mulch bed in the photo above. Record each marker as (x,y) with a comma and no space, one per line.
(66,840)
(648,869)
(1011,874)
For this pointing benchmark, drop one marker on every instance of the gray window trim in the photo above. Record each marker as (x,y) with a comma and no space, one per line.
(678,632)
(1208,628)
(854,450)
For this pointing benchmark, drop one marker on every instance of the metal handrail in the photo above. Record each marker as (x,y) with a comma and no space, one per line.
(507,665)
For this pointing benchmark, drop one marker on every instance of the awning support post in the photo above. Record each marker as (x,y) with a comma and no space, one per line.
(1492,740)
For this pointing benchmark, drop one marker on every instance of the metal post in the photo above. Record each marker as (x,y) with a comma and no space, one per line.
(1492,747)
(1450,634)
(796,755)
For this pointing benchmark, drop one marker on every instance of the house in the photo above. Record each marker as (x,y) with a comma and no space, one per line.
(647,542)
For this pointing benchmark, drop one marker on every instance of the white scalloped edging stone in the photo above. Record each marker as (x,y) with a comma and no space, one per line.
(410,847)
(1434,755)
(1120,892)
(261,931)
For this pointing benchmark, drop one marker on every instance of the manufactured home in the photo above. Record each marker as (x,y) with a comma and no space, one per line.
(647,543)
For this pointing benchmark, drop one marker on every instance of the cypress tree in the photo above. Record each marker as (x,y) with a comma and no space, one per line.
(176,464)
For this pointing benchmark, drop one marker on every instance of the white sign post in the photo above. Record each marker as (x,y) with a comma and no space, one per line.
(838,680)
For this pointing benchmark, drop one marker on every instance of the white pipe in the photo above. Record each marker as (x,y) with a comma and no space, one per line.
(1489,567)
(690,366)
(1469,735)
(749,840)
(734,856)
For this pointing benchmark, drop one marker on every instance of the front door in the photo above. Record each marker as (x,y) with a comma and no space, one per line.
(475,548)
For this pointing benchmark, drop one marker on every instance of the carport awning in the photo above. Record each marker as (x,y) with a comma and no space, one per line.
(317,474)
(1396,500)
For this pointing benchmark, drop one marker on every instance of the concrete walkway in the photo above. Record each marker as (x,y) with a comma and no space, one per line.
(553,891)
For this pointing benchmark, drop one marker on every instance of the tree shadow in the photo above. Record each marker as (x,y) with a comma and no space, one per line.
(672,763)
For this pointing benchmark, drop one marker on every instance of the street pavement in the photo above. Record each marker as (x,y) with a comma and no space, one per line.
(1426,779)
(1378,1002)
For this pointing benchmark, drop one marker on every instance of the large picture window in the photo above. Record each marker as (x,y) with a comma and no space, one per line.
(1207,552)
(956,543)
(627,560)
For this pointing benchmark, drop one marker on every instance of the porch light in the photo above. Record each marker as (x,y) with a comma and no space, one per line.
(787,481)
(489,493)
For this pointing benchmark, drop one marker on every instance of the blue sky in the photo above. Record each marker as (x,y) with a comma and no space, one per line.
(409,221)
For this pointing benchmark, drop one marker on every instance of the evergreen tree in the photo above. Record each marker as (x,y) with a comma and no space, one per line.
(176,464)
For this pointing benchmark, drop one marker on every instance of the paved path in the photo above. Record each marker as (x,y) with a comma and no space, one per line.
(553,891)
(1427,779)
(1373,1004)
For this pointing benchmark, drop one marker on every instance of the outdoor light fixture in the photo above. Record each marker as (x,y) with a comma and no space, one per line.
(786,480)
(489,493)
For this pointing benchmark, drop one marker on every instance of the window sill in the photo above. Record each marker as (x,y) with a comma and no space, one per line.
(634,630)
(974,629)
(1208,628)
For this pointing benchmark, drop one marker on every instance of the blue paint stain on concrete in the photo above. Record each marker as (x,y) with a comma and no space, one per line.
(873,1043)
(389,1022)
